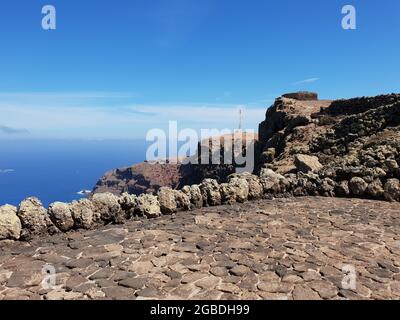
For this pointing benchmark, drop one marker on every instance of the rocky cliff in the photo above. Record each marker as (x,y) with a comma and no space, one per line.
(343,148)
(149,177)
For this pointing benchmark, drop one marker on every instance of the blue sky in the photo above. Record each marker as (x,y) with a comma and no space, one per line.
(115,69)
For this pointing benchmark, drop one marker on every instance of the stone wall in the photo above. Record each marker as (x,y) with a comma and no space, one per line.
(360,105)
(302,95)
(32,220)
(337,140)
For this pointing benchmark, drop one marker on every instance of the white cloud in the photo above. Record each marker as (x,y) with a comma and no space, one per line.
(310,80)
(125,121)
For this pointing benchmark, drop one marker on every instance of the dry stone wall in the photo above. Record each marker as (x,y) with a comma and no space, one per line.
(31,219)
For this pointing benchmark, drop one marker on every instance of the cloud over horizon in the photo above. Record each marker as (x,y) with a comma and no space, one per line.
(12,131)
(61,118)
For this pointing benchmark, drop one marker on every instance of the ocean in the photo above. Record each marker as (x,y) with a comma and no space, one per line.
(57,170)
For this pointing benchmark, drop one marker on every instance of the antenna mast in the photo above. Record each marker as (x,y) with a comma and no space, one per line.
(240,119)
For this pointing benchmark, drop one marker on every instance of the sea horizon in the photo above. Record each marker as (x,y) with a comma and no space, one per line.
(58,169)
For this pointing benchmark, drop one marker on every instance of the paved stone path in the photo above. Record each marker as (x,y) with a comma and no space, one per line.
(278,249)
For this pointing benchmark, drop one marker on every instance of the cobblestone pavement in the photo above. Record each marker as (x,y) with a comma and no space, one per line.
(303,248)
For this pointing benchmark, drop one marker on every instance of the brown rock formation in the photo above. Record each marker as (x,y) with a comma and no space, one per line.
(149,177)
(357,142)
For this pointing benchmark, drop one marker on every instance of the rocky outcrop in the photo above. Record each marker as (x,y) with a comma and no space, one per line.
(305,163)
(128,203)
(357,186)
(353,144)
(148,206)
(237,190)
(392,190)
(82,213)
(34,219)
(60,214)
(10,225)
(254,186)
(166,197)
(182,200)
(107,208)
(210,192)
(193,193)
(360,105)
(141,178)
(149,177)
(287,130)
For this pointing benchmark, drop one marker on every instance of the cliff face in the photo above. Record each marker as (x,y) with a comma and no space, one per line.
(354,143)
(287,130)
(140,178)
(149,177)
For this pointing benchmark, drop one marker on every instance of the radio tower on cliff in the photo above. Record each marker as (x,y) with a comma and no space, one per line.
(240,118)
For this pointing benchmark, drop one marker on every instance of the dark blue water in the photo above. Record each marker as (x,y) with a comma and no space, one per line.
(57,170)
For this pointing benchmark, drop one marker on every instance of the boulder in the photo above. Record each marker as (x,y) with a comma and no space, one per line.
(194,194)
(82,213)
(305,163)
(228,194)
(182,200)
(34,219)
(166,198)
(60,215)
(272,182)
(307,184)
(148,206)
(327,187)
(106,205)
(255,188)
(392,190)
(358,186)
(375,189)
(268,155)
(128,203)
(269,173)
(241,188)
(391,166)
(10,225)
(342,189)
(210,192)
